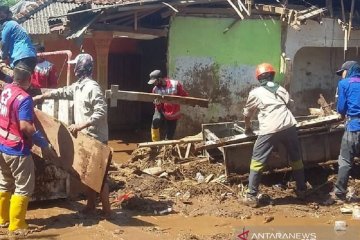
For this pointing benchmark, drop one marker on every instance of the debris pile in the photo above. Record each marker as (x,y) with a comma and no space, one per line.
(155,181)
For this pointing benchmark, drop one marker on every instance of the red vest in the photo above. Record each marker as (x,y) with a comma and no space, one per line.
(10,134)
(171,111)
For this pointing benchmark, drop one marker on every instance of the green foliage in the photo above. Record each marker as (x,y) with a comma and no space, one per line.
(8,2)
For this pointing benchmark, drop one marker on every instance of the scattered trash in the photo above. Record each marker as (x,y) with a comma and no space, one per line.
(246,217)
(279,186)
(356,213)
(220,179)
(264,199)
(164,175)
(340,226)
(268,219)
(350,194)
(314,206)
(346,209)
(224,195)
(153,170)
(186,196)
(162,212)
(159,162)
(118,231)
(209,177)
(199,177)
(124,197)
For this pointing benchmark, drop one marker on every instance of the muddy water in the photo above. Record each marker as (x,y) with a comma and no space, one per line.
(122,150)
(61,222)
(125,142)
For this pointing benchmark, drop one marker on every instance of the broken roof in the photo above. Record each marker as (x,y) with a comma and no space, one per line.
(45,16)
(34,15)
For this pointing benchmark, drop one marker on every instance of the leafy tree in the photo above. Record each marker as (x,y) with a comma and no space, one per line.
(8,2)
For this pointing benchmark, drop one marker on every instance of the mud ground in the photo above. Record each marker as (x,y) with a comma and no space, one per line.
(209,208)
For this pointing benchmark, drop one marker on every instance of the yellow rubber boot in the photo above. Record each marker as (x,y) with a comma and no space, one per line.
(18,208)
(155,134)
(4,208)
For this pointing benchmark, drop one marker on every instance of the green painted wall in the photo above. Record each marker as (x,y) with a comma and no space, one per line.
(219,67)
(248,42)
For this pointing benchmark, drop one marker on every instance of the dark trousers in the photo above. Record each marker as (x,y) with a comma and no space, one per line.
(350,148)
(167,127)
(262,149)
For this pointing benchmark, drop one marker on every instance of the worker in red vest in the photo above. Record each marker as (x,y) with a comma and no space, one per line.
(166,114)
(17,133)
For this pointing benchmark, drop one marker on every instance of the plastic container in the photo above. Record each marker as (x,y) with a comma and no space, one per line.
(340,226)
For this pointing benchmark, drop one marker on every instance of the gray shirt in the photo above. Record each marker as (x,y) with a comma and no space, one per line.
(274,115)
(89,106)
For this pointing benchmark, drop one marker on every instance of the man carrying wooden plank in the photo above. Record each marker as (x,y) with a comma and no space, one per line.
(276,125)
(166,114)
(90,115)
(17,175)
(348,105)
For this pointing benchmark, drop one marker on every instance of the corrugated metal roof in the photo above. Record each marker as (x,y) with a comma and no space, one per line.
(38,23)
(35,19)
(98,2)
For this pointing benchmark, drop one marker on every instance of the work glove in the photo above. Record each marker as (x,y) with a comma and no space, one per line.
(49,152)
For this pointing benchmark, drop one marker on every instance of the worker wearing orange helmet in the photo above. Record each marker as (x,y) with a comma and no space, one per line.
(276,126)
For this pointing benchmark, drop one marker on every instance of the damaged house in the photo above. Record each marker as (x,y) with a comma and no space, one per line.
(212,46)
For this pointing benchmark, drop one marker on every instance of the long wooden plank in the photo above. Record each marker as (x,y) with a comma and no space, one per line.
(114,94)
(225,141)
(169,142)
(321,121)
(83,156)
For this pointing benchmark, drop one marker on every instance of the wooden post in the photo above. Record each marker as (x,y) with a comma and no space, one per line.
(188,147)
(102,41)
(113,89)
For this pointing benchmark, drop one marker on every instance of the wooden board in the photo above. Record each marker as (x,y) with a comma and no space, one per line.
(83,157)
(168,142)
(114,94)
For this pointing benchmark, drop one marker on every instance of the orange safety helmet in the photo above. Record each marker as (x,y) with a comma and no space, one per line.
(264,68)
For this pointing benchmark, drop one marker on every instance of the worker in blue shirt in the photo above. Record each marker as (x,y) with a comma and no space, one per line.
(348,105)
(16,45)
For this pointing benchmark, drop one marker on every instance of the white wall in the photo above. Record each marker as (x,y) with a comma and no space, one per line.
(313,34)
(314,73)
(316,52)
